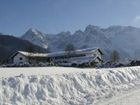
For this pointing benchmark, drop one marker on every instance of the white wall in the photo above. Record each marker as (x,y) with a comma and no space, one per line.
(17,60)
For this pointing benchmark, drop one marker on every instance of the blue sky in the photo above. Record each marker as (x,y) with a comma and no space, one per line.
(54,16)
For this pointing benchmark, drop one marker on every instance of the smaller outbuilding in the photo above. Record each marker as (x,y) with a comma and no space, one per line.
(22,57)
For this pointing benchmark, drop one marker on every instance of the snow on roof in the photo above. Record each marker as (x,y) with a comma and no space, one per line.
(61,53)
(33,54)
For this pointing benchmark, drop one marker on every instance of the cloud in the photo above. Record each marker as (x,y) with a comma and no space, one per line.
(136,21)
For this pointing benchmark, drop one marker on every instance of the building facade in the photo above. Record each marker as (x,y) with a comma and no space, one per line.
(88,56)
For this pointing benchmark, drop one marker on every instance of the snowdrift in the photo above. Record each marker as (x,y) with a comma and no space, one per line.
(79,88)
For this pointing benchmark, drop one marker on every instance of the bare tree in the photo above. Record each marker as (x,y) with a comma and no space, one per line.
(69,47)
(114,57)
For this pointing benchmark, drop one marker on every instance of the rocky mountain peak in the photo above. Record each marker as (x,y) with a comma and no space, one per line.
(33,30)
(36,37)
(33,33)
(91,28)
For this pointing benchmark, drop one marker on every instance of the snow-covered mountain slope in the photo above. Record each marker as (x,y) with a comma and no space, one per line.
(36,37)
(124,39)
(70,87)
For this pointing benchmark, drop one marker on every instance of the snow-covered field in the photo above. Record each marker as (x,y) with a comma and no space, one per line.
(69,86)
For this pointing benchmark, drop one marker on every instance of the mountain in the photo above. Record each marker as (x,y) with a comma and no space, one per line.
(108,39)
(58,42)
(36,37)
(11,44)
(125,38)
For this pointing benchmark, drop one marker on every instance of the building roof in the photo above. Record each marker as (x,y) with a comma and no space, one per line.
(61,53)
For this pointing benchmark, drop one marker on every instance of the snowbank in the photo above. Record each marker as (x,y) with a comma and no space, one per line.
(83,87)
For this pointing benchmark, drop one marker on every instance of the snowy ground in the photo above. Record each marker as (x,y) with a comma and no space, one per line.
(69,86)
(131,97)
(7,72)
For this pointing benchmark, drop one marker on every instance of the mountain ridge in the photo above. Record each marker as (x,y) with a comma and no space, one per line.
(92,36)
(108,39)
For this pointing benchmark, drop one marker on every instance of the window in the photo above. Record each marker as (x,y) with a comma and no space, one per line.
(20,58)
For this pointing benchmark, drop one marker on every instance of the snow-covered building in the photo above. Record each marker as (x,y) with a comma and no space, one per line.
(67,58)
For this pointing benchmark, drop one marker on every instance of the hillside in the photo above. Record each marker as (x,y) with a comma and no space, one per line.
(11,44)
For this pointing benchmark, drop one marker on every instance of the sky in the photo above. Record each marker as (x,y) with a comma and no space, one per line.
(54,16)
